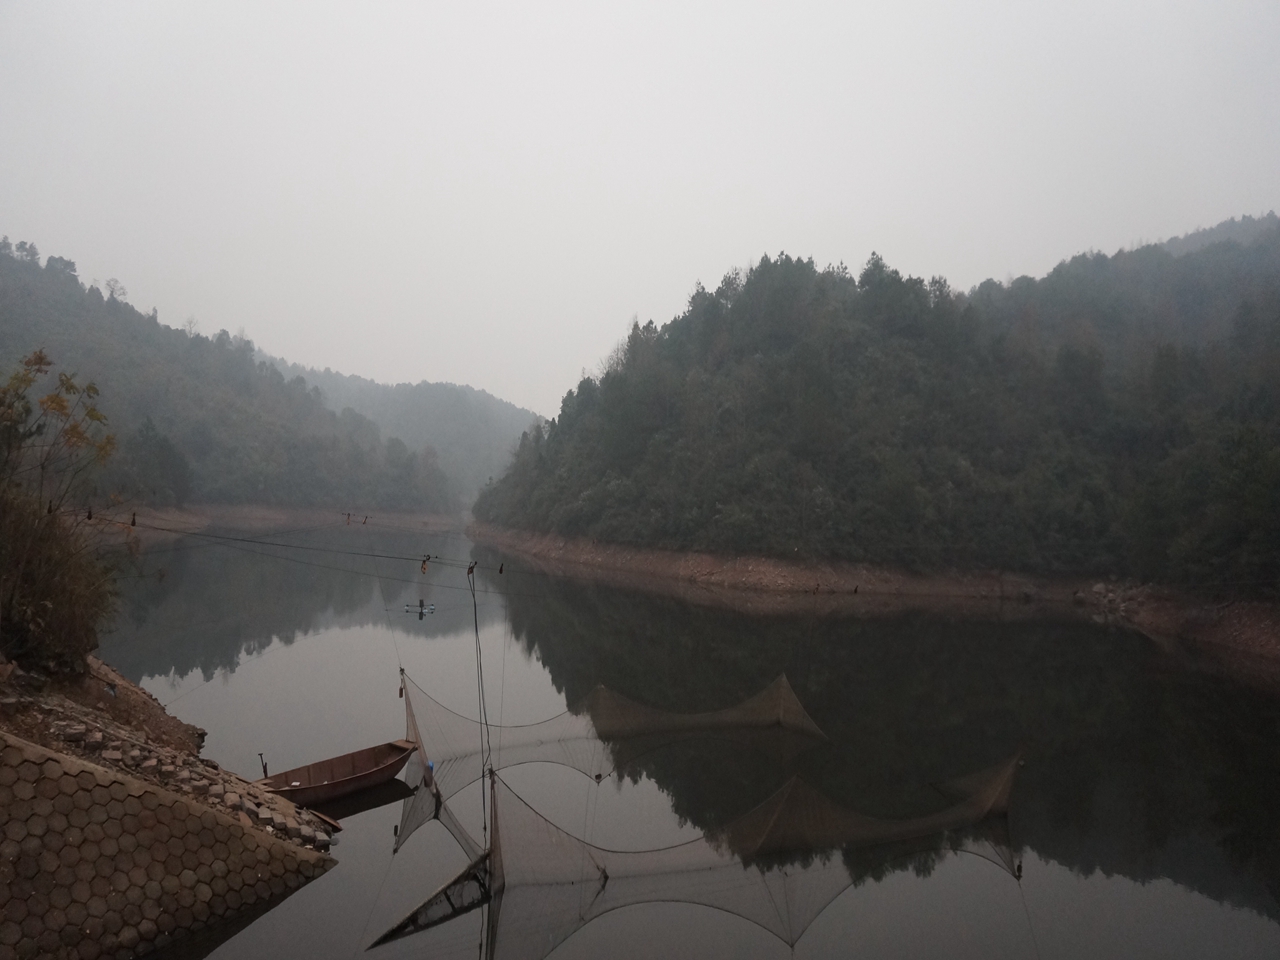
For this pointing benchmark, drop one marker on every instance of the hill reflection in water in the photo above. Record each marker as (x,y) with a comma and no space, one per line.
(204,604)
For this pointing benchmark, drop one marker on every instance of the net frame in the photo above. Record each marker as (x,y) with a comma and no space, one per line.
(545,884)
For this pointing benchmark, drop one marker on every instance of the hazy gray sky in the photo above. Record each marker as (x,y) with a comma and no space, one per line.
(487,193)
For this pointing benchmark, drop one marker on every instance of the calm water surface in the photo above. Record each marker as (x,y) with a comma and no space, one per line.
(1144,815)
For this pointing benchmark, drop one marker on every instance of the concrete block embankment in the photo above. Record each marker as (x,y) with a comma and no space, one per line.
(97,863)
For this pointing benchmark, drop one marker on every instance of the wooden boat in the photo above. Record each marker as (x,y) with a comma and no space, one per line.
(327,780)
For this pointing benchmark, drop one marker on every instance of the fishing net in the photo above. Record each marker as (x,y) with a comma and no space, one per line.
(798,818)
(607,732)
(541,884)
(616,717)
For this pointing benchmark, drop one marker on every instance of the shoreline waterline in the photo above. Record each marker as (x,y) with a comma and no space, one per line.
(1245,633)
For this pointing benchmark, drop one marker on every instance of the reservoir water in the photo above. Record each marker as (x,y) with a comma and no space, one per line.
(1141,821)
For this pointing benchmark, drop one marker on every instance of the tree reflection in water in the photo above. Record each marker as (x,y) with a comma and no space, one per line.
(1134,765)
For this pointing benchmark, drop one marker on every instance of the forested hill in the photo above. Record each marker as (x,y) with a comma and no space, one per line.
(197,418)
(472,431)
(1186,291)
(1121,414)
(1245,231)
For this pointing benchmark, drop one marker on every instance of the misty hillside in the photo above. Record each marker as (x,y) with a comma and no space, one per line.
(1244,231)
(1127,302)
(472,431)
(1120,414)
(197,418)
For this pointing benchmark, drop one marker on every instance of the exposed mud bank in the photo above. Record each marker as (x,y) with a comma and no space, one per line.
(100,697)
(1241,636)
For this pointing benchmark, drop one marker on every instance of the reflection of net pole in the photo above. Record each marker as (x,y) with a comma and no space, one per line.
(486,758)
(422,609)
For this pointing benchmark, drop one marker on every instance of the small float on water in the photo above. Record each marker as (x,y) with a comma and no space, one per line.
(327,780)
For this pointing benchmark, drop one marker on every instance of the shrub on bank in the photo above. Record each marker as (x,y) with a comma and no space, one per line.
(54,587)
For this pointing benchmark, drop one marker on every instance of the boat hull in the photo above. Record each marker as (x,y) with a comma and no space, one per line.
(337,777)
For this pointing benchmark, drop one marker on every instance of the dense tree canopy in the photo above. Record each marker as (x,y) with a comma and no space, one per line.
(1120,414)
(199,417)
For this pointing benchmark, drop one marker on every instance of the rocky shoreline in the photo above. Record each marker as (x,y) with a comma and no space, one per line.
(61,724)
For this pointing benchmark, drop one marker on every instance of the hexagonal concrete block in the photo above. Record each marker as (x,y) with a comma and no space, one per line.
(97,863)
